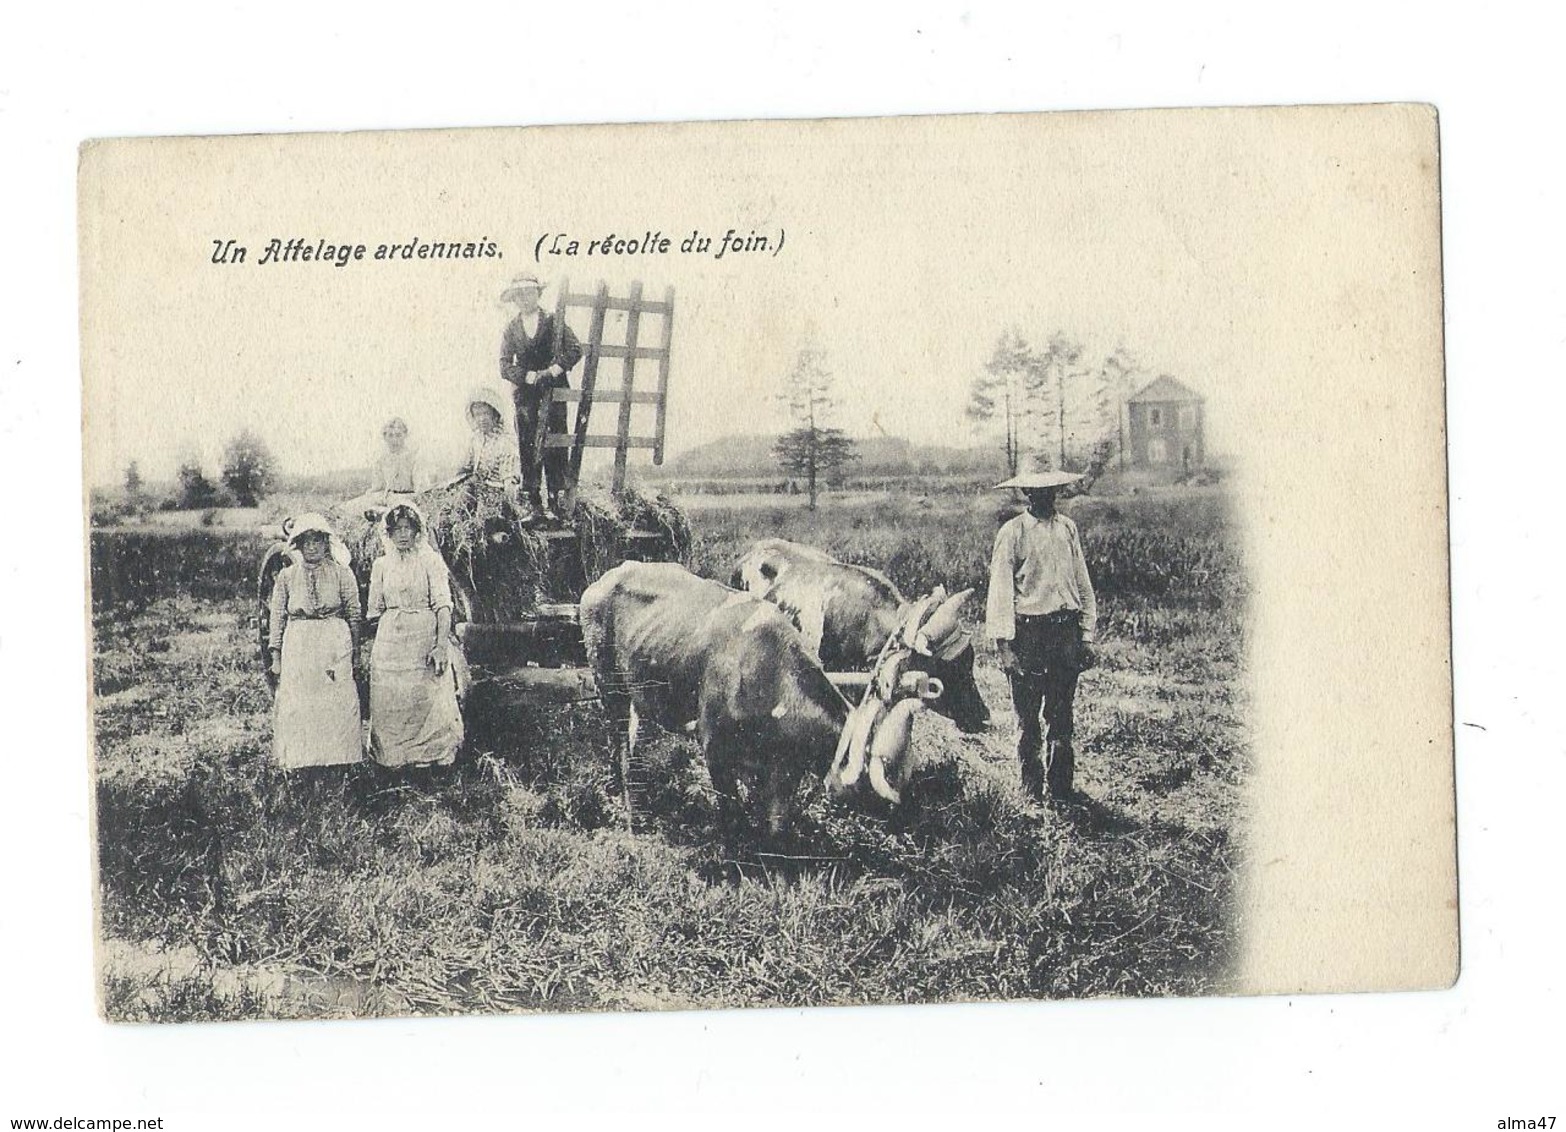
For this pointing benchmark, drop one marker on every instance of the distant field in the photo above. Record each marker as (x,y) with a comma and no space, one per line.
(509,884)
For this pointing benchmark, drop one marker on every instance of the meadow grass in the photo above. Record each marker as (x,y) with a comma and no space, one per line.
(509,883)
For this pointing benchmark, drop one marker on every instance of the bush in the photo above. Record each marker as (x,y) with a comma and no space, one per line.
(196,492)
(249,469)
(107,512)
(141,566)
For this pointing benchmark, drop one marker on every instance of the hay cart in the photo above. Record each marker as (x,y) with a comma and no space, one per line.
(516,589)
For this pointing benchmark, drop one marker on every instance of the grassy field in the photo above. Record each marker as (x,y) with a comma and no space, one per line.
(508,882)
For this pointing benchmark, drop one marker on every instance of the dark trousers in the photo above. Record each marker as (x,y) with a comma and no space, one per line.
(540,463)
(1044,693)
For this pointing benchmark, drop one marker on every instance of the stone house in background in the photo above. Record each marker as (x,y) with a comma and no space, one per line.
(1165,426)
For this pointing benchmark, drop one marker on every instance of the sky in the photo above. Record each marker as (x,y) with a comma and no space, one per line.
(903,258)
(886,380)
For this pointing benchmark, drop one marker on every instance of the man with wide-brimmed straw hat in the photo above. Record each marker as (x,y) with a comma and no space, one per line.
(1042,616)
(536,353)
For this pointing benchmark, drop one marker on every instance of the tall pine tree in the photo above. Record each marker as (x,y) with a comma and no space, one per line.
(812,449)
(999,393)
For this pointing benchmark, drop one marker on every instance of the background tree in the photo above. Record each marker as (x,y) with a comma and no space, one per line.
(1123,374)
(1051,384)
(1091,434)
(811,449)
(249,469)
(999,392)
(195,490)
(135,487)
(1057,407)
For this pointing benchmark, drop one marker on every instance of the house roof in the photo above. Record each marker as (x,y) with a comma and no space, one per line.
(1165,388)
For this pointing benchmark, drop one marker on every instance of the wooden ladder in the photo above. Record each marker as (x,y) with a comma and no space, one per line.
(600,302)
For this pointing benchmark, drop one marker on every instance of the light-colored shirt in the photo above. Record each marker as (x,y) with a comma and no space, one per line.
(1037,568)
(398,471)
(412,580)
(323,590)
(492,457)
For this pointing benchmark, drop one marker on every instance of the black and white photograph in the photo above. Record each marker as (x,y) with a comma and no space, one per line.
(575,599)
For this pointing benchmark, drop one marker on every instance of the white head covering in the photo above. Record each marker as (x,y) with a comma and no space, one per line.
(313,522)
(406,505)
(422,544)
(487,395)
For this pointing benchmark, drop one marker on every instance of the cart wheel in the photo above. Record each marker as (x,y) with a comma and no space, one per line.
(273,563)
(462,604)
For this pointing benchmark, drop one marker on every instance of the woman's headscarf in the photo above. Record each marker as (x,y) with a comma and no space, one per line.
(313,522)
(406,507)
(422,540)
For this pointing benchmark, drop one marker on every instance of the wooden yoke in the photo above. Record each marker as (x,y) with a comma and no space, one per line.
(600,302)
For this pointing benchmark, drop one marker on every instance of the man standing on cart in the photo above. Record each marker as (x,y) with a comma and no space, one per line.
(536,353)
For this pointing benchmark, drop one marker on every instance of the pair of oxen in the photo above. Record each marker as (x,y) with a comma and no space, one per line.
(745,669)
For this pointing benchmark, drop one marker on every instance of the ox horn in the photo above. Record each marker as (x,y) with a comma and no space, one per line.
(942,624)
(890,745)
(919,610)
(843,741)
(856,739)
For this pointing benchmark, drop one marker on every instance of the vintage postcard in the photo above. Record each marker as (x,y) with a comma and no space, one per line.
(768,563)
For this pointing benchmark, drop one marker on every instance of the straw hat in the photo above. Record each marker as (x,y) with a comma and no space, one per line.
(515,287)
(312,522)
(1034,480)
(486,395)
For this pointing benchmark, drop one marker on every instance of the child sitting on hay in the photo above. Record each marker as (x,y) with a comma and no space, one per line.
(491,466)
(398,475)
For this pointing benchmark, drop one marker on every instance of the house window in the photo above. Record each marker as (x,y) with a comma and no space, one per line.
(1155,418)
(1187,417)
(1157,450)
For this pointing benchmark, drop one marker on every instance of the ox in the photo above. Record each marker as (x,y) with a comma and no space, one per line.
(848,613)
(695,656)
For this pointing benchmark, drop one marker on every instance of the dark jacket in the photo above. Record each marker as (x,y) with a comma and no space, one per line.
(519,353)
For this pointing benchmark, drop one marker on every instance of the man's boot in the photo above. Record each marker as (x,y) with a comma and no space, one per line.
(531,512)
(1062,769)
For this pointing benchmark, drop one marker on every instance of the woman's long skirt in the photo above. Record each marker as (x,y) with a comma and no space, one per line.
(317,721)
(414,719)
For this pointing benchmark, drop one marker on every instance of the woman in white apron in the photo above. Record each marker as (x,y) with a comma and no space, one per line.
(313,642)
(414,719)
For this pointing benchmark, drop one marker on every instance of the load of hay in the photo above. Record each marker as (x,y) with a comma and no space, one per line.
(656,513)
(506,570)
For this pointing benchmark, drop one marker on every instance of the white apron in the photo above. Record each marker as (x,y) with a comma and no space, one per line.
(414,719)
(317,721)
